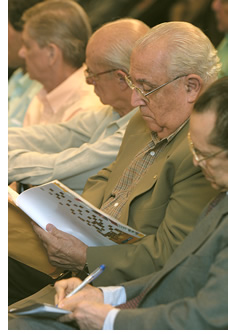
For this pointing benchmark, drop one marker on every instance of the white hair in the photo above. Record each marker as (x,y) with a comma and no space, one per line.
(189,50)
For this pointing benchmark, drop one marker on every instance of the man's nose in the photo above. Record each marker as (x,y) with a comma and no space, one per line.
(136,99)
(21,52)
(201,163)
(90,81)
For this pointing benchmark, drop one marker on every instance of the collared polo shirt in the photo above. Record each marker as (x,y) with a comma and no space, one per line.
(63,102)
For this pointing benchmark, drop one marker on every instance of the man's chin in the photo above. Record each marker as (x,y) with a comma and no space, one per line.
(100,98)
(153,126)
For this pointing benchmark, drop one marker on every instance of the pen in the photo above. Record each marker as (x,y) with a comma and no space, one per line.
(88,279)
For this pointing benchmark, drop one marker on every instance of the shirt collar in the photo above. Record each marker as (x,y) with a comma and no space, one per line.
(69,88)
(120,121)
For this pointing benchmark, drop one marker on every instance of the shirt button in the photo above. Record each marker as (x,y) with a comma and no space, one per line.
(152,153)
(116,204)
(155,176)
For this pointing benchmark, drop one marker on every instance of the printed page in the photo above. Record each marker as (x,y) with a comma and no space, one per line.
(56,204)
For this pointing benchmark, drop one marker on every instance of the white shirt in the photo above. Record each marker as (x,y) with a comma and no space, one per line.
(70,152)
(113,295)
(63,102)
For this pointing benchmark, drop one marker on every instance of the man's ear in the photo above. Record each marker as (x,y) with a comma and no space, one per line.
(53,52)
(121,77)
(193,86)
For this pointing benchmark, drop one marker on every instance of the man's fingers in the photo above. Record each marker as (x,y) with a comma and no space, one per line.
(41,233)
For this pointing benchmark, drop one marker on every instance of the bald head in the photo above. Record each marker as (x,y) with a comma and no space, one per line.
(112,44)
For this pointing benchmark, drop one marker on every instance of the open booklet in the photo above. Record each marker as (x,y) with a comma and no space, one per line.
(40,311)
(55,203)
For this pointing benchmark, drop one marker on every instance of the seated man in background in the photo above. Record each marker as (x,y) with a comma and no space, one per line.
(55,36)
(152,186)
(75,150)
(190,292)
(21,89)
(220,8)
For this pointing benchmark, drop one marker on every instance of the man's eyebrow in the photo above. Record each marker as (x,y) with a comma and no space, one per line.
(142,81)
(146,82)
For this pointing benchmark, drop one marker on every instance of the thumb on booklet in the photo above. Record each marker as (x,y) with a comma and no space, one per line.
(50,228)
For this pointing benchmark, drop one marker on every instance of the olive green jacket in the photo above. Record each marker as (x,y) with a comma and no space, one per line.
(164,205)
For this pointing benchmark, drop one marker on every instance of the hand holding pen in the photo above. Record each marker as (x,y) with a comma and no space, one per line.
(88,280)
(62,285)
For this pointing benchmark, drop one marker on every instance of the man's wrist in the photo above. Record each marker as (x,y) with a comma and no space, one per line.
(110,319)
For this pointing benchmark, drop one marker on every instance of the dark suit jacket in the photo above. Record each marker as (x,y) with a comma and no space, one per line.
(165,205)
(191,291)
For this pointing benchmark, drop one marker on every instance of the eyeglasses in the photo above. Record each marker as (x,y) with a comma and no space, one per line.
(141,92)
(95,76)
(198,156)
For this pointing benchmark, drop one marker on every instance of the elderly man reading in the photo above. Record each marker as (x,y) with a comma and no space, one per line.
(152,186)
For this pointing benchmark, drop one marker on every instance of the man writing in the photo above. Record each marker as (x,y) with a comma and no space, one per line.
(190,292)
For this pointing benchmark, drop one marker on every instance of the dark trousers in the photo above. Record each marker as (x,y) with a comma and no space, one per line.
(23,281)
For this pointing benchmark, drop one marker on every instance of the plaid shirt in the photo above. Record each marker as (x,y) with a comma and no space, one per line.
(134,172)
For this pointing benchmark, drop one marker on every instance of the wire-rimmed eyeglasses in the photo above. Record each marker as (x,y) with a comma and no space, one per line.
(95,76)
(198,156)
(141,92)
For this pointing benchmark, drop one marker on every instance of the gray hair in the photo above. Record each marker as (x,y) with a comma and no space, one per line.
(189,49)
(63,23)
(124,32)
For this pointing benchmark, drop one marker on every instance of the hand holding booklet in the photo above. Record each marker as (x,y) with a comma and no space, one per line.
(56,204)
